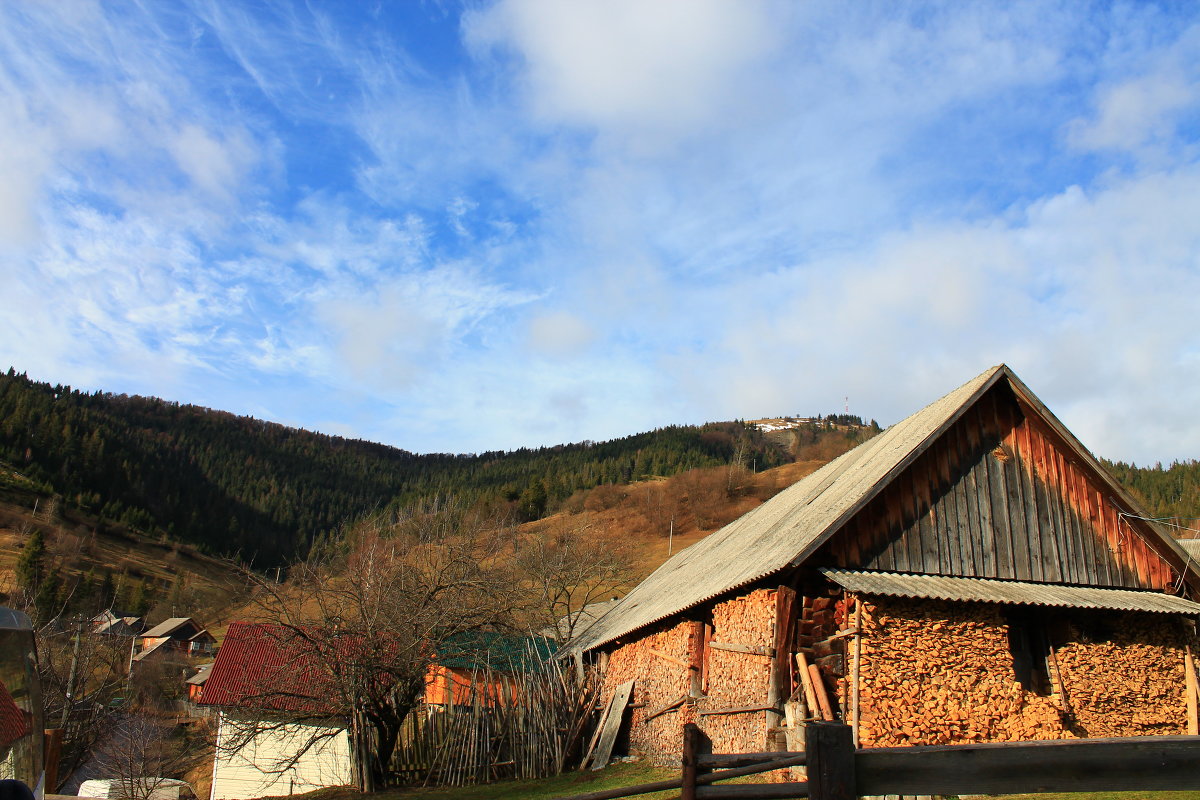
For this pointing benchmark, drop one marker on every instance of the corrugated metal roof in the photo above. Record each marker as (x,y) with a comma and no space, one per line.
(267,666)
(167,627)
(1191,547)
(988,590)
(788,527)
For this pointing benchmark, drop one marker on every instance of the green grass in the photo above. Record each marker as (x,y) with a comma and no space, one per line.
(571,783)
(1104,796)
(621,774)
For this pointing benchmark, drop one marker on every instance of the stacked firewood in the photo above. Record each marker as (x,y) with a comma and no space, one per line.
(936,673)
(1131,684)
(658,664)
(739,679)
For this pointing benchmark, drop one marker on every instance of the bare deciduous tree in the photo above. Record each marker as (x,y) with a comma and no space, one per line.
(368,615)
(568,567)
(143,754)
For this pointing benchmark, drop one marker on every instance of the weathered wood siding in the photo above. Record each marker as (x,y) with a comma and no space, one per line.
(999,496)
(257,770)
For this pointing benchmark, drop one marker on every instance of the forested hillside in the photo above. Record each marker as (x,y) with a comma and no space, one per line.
(238,485)
(1171,494)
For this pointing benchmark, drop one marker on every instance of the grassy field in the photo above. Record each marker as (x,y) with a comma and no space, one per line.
(636,773)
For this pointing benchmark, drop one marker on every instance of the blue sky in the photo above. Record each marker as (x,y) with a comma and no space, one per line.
(473,226)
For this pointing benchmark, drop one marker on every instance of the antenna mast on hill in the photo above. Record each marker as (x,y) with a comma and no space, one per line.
(847,406)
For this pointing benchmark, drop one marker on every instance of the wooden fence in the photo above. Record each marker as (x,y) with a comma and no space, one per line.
(837,771)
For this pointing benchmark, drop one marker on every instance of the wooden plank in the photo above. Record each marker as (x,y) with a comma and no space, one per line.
(966,538)
(1006,566)
(671,706)
(697,778)
(931,549)
(1141,763)
(983,508)
(1086,520)
(709,712)
(752,791)
(612,725)
(1053,562)
(1189,677)
(672,659)
(595,740)
(831,762)
(1028,499)
(731,760)
(748,649)
(949,551)
(1070,560)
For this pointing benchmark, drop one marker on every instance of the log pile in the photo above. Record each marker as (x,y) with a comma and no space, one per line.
(739,679)
(940,673)
(658,663)
(1130,685)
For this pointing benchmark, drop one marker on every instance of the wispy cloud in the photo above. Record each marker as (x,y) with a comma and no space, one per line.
(521,222)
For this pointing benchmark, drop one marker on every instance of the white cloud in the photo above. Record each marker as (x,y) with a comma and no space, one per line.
(662,65)
(1135,113)
(559,334)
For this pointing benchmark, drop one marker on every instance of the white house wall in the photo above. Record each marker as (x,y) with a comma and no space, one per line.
(254,770)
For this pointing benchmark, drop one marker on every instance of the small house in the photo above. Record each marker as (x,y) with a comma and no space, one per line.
(116,623)
(479,666)
(259,683)
(971,574)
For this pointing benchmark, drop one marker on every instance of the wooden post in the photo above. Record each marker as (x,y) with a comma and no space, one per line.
(854,670)
(691,747)
(52,754)
(1189,684)
(779,685)
(830,750)
(696,658)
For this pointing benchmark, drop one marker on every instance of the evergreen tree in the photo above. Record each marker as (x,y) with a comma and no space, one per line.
(31,564)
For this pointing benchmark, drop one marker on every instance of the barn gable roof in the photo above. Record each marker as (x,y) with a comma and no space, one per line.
(790,527)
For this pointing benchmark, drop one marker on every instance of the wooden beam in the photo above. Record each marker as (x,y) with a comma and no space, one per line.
(1140,763)
(730,760)
(752,791)
(670,658)
(1189,666)
(749,649)
(810,692)
(737,710)
(671,706)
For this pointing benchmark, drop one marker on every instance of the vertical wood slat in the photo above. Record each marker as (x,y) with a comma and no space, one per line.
(1052,549)
(1081,521)
(947,517)
(1009,418)
(1062,519)
(912,531)
(1025,496)
(926,518)
(998,493)
(966,536)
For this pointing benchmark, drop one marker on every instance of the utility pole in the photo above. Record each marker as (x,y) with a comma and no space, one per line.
(71,675)
(671,537)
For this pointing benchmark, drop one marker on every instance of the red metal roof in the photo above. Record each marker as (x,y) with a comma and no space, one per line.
(267,666)
(14,723)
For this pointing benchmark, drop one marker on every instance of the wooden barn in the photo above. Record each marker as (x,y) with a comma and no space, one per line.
(971,574)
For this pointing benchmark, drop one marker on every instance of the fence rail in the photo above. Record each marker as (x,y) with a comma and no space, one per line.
(837,771)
